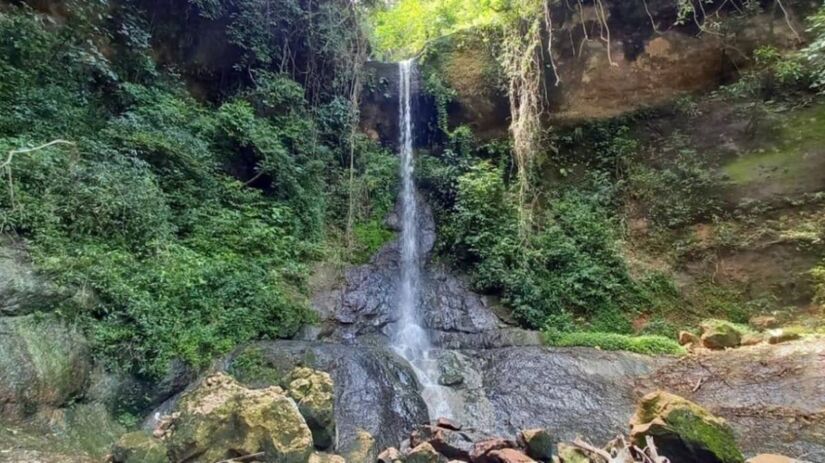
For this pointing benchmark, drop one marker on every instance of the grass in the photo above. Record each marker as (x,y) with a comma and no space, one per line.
(647,345)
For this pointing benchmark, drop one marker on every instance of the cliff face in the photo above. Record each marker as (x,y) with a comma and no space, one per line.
(648,61)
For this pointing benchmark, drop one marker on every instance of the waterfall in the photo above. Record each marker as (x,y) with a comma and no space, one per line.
(410,339)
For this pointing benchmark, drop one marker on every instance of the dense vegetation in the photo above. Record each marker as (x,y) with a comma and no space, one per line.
(185,226)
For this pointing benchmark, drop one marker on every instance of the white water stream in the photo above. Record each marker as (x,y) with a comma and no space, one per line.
(410,339)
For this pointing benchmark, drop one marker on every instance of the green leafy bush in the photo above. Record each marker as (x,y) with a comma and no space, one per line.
(648,345)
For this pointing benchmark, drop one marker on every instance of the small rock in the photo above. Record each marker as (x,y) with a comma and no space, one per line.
(423,453)
(782,335)
(570,454)
(771,458)
(538,443)
(718,334)
(763,322)
(687,338)
(390,455)
(451,444)
(447,423)
(509,456)
(481,449)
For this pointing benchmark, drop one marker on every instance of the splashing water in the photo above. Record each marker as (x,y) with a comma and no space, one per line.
(410,339)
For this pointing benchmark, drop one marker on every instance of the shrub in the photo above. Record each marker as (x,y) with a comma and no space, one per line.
(648,345)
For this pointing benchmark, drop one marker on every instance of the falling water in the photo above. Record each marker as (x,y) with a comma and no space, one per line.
(411,340)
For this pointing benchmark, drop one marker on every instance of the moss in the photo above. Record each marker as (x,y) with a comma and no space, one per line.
(789,158)
(251,367)
(717,438)
(648,345)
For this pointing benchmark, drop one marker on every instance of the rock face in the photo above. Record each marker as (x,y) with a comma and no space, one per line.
(683,431)
(772,396)
(44,363)
(222,419)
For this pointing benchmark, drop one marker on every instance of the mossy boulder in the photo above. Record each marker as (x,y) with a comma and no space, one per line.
(221,419)
(139,447)
(313,391)
(423,453)
(362,450)
(719,334)
(568,453)
(44,363)
(22,290)
(683,431)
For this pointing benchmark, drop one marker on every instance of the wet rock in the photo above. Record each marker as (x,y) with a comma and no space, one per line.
(375,391)
(220,419)
(570,454)
(538,443)
(139,447)
(390,455)
(447,423)
(44,364)
(763,322)
(313,392)
(564,391)
(718,334)
(451,369)
(687,338)
(683,431)
(423,453)
(508,456)
(362,449)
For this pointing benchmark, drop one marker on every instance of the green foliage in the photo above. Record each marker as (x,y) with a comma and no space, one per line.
(402,29)
(814,54)
(185,228)
(818,274)
(250,366)
(648,345)
(679,192)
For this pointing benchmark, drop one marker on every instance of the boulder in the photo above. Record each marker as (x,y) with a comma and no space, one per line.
(783,335)
(362,450)
(570,454)
(538,443)
(423,453)
(763,322)
(319,457)
(482,449)
(509,456)
(313,392)
(688,338)
(139,447)
(44,364)
(453,444)
(752,339)
(683,431)
(390,455)
(718,334)
(220,418)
